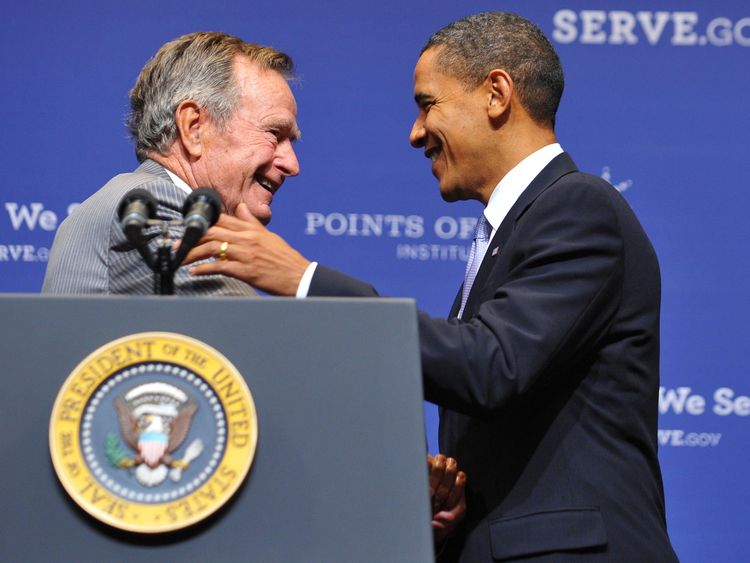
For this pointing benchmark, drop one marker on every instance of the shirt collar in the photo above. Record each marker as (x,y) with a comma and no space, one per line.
(179,182)
(510,188)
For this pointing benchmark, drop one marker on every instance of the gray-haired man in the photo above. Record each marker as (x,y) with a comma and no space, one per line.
(208,110)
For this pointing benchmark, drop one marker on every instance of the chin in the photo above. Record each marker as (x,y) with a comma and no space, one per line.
(262,214)
(454,193)
(450,194)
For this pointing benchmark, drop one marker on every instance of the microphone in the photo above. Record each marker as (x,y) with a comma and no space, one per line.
(201,210)
(134,211)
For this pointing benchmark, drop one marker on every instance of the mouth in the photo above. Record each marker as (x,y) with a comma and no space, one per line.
(268,184)
(432,152)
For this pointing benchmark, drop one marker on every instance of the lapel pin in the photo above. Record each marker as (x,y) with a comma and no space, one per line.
(495,251)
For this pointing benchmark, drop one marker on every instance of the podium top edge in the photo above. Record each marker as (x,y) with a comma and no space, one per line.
(212,299)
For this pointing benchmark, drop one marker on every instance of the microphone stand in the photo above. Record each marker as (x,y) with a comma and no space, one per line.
(137,209)
(163,267)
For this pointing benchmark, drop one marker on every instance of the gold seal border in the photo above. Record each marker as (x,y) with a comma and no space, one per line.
(97,368)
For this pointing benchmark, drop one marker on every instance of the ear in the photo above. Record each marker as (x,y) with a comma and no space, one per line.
(190,119)
(500,92)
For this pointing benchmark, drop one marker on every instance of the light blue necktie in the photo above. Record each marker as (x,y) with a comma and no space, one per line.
(476,254)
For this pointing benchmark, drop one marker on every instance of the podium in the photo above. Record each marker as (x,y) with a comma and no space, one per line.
(339,472)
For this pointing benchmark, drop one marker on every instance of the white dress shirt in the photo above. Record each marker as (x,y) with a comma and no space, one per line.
(179,182)
(518,178)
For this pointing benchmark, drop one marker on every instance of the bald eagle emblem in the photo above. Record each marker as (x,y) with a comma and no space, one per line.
(154,421)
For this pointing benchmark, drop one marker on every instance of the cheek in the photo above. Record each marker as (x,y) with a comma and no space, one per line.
(267,154)
(256,155)
(443,132)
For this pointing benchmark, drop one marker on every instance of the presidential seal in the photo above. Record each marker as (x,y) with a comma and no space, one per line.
(153,432)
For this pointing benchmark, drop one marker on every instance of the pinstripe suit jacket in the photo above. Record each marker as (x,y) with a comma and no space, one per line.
(90,253)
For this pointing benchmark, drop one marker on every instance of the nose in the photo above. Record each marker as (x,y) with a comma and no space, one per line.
(417,136)
(286,159)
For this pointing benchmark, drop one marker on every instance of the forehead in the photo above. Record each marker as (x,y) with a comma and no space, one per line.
(424,68)
(263,91)
(429,81)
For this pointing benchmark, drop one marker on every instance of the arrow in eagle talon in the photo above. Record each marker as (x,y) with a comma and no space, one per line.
(193,451)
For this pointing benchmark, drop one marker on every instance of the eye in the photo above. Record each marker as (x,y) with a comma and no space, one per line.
(424,101)
(282,133)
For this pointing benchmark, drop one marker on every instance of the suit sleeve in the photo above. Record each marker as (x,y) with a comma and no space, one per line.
(551,308)
(330,283)
(546,312)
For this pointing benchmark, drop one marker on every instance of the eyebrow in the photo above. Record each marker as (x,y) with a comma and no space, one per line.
(285,125)
(422,99)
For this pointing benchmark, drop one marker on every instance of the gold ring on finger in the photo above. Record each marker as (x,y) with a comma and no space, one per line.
(223,250)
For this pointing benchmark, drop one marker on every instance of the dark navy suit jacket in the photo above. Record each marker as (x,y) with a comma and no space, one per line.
(548,386)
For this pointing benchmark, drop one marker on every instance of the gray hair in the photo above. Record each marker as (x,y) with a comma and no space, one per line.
(197,66)
(471,47)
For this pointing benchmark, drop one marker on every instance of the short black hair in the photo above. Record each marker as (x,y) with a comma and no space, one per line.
(471,47)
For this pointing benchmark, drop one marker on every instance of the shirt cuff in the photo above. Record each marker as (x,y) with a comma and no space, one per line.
(304,284)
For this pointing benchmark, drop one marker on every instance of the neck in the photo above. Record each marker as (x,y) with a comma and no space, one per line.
(515,145)
(176,164)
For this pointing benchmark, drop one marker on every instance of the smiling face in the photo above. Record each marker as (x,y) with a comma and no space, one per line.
(248,158)
(452,127)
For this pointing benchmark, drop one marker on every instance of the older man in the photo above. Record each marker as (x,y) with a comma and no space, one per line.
(547,372)
(208,110)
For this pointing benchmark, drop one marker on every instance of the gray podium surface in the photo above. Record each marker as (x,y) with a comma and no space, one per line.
(339,473)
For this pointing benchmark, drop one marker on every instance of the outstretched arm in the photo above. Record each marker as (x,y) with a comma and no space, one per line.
(246,250)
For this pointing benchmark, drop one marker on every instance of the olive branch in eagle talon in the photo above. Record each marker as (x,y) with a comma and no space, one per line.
(116,456)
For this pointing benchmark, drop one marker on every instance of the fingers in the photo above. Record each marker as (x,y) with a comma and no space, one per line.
(446,521)
(435,468)
(252,254)
(228,229)
(444,487)
(224,268)
(446,482)
(456,495)
(227,226)
(243,213)
(242,247)
(206,249)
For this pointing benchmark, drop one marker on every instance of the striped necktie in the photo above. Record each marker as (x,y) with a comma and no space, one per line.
(476,254)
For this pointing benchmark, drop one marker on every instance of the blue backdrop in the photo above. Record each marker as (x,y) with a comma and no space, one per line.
(656,102)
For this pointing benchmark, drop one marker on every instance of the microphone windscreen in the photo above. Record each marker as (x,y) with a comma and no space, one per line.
(204,202)
(136,207)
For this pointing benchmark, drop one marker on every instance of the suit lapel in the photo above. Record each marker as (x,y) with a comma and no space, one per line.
(456,303)
(558,167)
